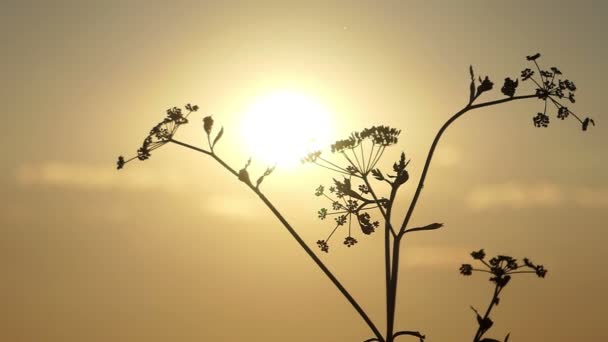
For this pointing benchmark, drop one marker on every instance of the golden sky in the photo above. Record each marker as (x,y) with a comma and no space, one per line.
(175,249)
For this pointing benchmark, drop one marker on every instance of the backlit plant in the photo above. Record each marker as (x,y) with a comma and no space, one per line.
(361,197)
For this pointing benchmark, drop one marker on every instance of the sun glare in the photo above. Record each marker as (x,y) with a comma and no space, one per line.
(280,128)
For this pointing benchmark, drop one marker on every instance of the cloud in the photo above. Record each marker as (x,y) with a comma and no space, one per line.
(591,198)
(514,195)
(434,256)
(233,205)
(522,195)
(97,177)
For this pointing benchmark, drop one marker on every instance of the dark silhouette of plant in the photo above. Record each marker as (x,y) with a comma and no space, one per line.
(355,196)
(501,268)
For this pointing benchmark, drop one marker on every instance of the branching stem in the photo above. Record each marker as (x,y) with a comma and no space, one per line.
(431,152)
(297,237)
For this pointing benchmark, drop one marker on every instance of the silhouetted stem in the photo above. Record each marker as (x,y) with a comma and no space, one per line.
(410,333)
(384,214)
(393,284)
(387,252)
(391,287)
(429,157)
(480,331)
(295,235)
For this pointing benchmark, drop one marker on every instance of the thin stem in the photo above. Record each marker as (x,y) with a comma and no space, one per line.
(559,105)
(369,159)
(480,332)
(392,266)
(480,270)
(363,159)
(348,159)
(357,160)
(337,213)
(384,215)
(410,333)
(534,80)
(378,156)
(334,165)
(202,151)
(331,169)
(394,281)
(522,272)
(300,241)
(539,72)
(332,233)
(429,157)
(373,159)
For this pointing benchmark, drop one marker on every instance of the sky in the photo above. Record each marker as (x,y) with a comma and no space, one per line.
(175,248)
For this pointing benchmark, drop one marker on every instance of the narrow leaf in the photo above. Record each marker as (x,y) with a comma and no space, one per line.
(472,86)
(377,174)
(218,136)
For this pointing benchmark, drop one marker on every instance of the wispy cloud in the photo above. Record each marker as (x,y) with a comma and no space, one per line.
(434,256)
(591,198)
(97,177)
(524,195)
(234,206)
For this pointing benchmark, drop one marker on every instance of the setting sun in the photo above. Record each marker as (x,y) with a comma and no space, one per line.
(281,127)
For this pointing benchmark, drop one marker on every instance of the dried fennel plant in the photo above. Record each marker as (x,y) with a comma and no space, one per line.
(355,197)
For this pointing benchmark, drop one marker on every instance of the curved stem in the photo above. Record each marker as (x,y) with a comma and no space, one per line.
(411,333)
(429,157)
(297,237)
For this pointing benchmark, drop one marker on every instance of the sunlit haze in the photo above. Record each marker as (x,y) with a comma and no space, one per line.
(175,248)
(282,126)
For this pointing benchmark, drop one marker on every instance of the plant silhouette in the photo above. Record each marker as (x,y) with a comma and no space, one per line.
(354,197)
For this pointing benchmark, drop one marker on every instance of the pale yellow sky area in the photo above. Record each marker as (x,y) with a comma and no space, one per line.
(176,249)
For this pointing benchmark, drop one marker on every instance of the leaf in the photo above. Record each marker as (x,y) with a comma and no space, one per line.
(472,86)
(377,174)
(431,226)
(402,164)
(484,324)
(266,173)
(218,136)
(402,174)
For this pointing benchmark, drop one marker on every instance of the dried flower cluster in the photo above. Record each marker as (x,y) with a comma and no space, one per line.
(361,157)
(501,268)
(551,87)
(160,134)
(346,203)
